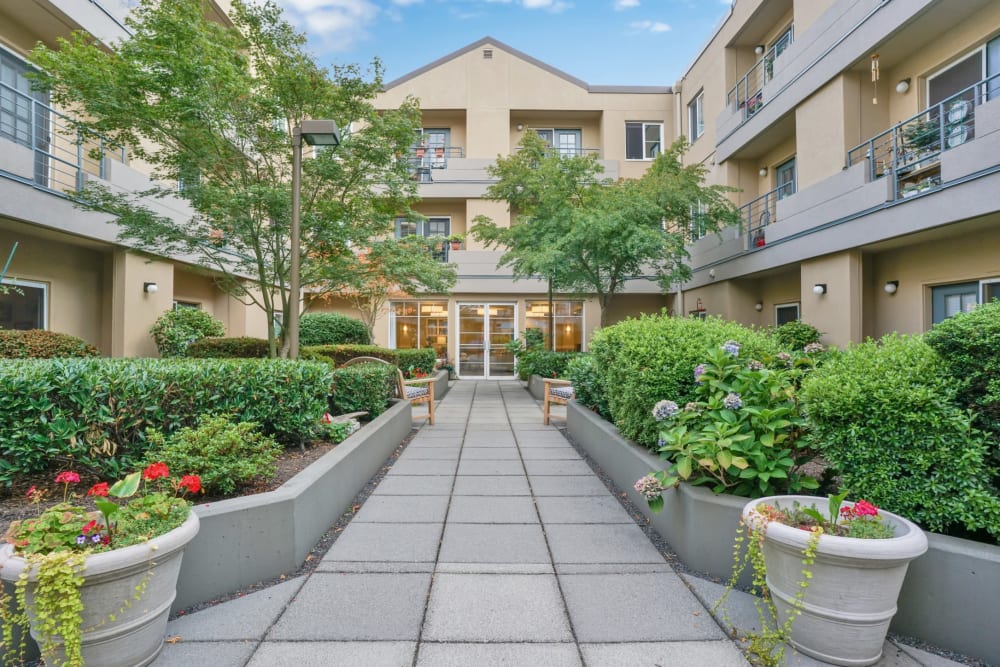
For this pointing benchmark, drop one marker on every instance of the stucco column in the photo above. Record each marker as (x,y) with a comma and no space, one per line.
(133,310)
(837,313)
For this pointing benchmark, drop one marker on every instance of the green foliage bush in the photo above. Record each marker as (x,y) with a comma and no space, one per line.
(642,361)
(332,329)
(224,454)
(545,363)
(582,371)
(96,411)
(884,414)
(229,348)
(339,354)
(416,361)
(364,387)
(969,344)
(796,335)
(176,329)
(41,344)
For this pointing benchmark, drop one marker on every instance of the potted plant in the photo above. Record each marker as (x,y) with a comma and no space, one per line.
(833,578)
(456,241)
(77,575)
(920,136)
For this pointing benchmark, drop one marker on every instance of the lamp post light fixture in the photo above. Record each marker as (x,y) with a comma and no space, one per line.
(315,133)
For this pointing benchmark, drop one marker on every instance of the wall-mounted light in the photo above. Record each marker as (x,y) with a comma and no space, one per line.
(903,86)
(758,306)
(891,286)
(520,127)
(762,172)
(150,288)
(819,288)
(711,273)
(759,49)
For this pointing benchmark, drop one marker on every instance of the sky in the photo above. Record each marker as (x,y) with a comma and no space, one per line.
(609,42)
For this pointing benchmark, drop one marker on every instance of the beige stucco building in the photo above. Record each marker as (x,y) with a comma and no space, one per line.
(866,206)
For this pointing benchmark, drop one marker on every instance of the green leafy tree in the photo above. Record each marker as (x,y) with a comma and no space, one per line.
(212,107)
(587,234)
(384,269)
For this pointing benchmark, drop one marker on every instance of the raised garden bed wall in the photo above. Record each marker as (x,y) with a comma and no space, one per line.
(246,540)
(536,385)
(440,384)
(948,597)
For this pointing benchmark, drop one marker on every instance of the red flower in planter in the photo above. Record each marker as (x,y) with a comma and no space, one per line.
(67,477)
(155,471)
(98,490)
(190,482)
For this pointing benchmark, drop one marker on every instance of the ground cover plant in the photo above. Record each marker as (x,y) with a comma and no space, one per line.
(650,358)
(42,344)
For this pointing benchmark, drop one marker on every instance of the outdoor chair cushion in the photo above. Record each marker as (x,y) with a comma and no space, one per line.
(415,392)
(562,392)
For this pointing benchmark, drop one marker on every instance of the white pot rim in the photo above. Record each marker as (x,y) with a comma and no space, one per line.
(909,542)
(158,548)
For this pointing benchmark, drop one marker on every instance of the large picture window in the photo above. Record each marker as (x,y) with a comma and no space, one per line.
(643,141)
(23,306)
(419,324)
(567,320)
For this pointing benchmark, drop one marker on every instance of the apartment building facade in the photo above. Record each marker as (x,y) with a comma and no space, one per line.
(70,272)
(864,136)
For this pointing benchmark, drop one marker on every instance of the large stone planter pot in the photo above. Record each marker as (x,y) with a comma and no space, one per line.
(135,636)
(852,595)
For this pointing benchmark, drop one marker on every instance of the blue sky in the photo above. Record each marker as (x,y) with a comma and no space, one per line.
(621,42)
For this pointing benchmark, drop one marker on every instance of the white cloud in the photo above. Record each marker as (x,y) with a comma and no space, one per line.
(628,4)
(554,6)
(338,23)
(649,26)
(406,3)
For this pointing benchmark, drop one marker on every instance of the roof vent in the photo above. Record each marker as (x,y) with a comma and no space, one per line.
(487,54)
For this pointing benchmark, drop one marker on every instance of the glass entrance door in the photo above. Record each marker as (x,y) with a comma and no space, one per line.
(484,329)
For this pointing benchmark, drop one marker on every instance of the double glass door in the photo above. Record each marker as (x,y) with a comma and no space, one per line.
(484,329)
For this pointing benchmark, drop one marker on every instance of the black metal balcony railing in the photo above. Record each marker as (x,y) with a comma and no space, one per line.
(568,151)
(62,154)
(758,213)
(747,96)
(910,152)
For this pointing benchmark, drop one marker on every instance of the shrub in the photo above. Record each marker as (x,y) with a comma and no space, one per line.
(176,329)
(41,344)
(969,344)
(884,415)
(416,361)
(742,432)
(96,411)
(545,363)
(796,335)
(229,348)
(338,354)
(225,455)
(642,361)
(364,387)
(332,329)
(583,373)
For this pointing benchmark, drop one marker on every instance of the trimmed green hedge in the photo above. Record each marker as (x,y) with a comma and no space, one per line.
(332,329)
(545,363)
(422,360)
(885,415)
(583,373)
(96,411)
(229,348)
(364,387)
(652,358)
(41,344)
(175,329)
(416,361)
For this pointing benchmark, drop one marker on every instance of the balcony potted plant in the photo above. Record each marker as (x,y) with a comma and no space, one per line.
(77,575)
(456,241)
(920,137)
(833,578)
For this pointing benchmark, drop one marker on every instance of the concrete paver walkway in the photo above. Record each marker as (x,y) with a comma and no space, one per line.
(488,542)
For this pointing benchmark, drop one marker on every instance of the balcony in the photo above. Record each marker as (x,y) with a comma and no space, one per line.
(423,160)
(756,215)
(51,153)
(747,96)
(909,153)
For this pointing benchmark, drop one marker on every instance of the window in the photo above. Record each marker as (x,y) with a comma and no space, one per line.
(782,42)
(696,117)
(567,318)
(567,142)
(643,141)
(784,174)
(785,313)
(24,306)
(990,290)
(178,305)
(429,227)
(419,324)
(698,226)
(949,300)
(21,119)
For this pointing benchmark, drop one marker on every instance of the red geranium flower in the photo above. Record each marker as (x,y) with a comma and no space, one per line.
(155,471)
(67,477)
(100,489)
(30,492)
(190,482)
(86,529)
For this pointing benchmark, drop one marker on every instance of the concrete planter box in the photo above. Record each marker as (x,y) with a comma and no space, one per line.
(948,596)
(440,384)
(246,540)
(536,386)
